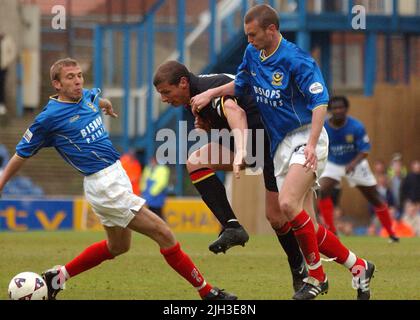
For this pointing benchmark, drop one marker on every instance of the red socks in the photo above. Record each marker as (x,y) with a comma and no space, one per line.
(176,258)
(384,217)
(284,229)
(89,258)
(326,209)
(330,246)
(182,264)
(304,230)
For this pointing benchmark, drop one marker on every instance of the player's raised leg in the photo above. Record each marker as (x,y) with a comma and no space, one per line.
(149,224)
(201,166)
(118,242)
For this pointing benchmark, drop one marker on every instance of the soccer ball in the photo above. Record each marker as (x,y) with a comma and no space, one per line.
(28,286)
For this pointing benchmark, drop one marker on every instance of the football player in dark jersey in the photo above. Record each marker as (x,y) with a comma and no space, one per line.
(176,85)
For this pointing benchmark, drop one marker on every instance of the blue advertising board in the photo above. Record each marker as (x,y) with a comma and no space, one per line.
(24,215)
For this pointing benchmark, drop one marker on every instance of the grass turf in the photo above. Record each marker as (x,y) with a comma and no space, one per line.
(257,272)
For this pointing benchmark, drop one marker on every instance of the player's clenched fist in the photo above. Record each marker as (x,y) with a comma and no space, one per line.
(199,101)
(106,107)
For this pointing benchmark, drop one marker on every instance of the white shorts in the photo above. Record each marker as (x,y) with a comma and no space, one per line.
(361,176)
(111,196)
(291,151)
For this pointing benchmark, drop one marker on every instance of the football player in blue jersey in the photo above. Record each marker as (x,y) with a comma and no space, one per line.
(71,122)
(176,85)
(348,149)
(292,98)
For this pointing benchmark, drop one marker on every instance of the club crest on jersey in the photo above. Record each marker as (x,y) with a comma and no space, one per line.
(277,78)
(92,107)
(349,138)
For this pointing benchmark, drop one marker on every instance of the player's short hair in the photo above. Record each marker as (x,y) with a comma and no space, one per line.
(171,72)
(342,99)
(264,14)
(59,64)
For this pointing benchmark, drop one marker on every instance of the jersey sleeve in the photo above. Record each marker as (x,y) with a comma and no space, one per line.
(92,95)
(362,139)
(310,82)
(218,104)
(34,138)
(243,78)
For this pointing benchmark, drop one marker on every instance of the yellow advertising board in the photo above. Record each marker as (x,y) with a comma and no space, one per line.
(182,215)
(190,215)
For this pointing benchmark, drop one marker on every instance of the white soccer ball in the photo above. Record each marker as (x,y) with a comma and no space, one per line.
(28,286)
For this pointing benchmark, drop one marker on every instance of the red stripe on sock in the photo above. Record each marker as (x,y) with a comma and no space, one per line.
(326,208)
(304,230)
(182,264)
(330,246)
(384,217)
(89,258)
(199,174)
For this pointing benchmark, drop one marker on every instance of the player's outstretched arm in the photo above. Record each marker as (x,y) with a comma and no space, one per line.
(236,118)
(203,99)
(106,107)
(13,166)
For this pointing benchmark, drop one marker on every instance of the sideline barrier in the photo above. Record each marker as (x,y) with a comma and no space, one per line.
(182,214)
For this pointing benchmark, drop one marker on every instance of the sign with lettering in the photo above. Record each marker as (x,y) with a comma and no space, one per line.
(24,215)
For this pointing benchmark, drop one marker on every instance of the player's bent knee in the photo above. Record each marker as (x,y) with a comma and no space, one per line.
(119,249)
(164,235)
(287,208)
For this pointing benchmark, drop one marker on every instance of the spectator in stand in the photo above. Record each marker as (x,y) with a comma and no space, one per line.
(379,167)
(133,168)
(154,185)
(410,187)
(396,173)
(4,157)
(344,223)
(411,216)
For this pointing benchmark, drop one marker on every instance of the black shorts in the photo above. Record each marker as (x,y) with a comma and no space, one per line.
(268,169)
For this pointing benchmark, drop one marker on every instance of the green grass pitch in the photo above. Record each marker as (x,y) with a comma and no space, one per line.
(257,272)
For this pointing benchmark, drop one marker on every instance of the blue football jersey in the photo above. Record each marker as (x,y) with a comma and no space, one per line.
(346,142)
(287,86)
(76,131)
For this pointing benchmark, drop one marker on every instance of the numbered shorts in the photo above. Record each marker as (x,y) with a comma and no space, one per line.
(291,151)
(111,196)
(361,176)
